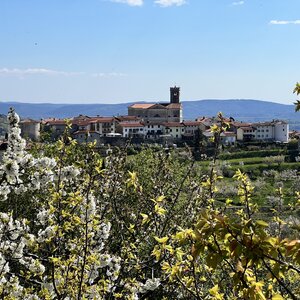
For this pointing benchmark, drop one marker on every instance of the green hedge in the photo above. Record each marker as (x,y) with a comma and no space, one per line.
(262,167)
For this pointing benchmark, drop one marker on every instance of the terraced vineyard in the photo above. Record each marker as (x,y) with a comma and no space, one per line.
(274,173)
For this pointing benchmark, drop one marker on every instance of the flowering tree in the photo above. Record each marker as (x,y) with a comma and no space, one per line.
(76,226)
(59,250)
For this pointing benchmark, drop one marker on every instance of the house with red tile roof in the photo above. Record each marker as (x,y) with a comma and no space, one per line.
(132,129)
(30,129)
(174,129)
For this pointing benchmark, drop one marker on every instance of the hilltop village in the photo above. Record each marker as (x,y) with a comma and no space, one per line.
(159,122)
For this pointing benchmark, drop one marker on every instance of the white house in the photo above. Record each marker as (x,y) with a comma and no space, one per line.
(275,130)
(175,129)
(191,127)
(226,138)
(154,130)
(101,125)
(132,129)
(264,131)
(31,129)
(282,129)
(246,133)
(83,136)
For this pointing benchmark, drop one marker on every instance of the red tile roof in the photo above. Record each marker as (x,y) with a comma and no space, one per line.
(239,124)
(83,123)
(191,123)
(56,122)
(25,121)
(127,118)
(102,119)
(174,106)
(142,105)
(173,124)
(94,120)
(247,128)
(163,105)
(131,124)
(229,133)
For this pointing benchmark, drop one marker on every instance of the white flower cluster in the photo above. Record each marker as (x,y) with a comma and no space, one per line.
(20,171)
(24,246)
(150,285)
(14,239)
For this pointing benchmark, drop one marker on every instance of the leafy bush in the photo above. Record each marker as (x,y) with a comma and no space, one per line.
(277,159)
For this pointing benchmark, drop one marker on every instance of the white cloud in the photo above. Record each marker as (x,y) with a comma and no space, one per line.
(130,2)
(283,22)
(112,74)
(238,3)
(47,72)
(166,3)
(33,71)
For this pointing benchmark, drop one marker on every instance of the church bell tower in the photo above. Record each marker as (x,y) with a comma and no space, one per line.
(174,94)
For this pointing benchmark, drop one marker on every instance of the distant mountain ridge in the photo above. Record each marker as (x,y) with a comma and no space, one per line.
(240,109)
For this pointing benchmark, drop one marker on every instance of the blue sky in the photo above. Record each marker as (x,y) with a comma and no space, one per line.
(110,51)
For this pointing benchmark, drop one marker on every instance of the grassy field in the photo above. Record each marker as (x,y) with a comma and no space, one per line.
(259,166)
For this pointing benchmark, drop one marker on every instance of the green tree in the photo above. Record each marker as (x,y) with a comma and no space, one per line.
(297,92)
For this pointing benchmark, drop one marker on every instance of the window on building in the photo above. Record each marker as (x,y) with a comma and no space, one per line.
(282,129)
(267,130)
(176,129)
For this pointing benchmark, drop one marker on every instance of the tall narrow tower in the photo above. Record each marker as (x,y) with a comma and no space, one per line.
(174,94)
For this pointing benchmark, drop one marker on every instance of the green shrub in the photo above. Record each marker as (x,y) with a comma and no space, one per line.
(246,154)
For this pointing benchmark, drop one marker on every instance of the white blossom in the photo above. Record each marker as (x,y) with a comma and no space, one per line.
(150,285)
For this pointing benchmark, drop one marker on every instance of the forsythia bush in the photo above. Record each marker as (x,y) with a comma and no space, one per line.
(74,225)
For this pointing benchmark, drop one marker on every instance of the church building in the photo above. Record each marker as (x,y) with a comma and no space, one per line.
(159,112)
